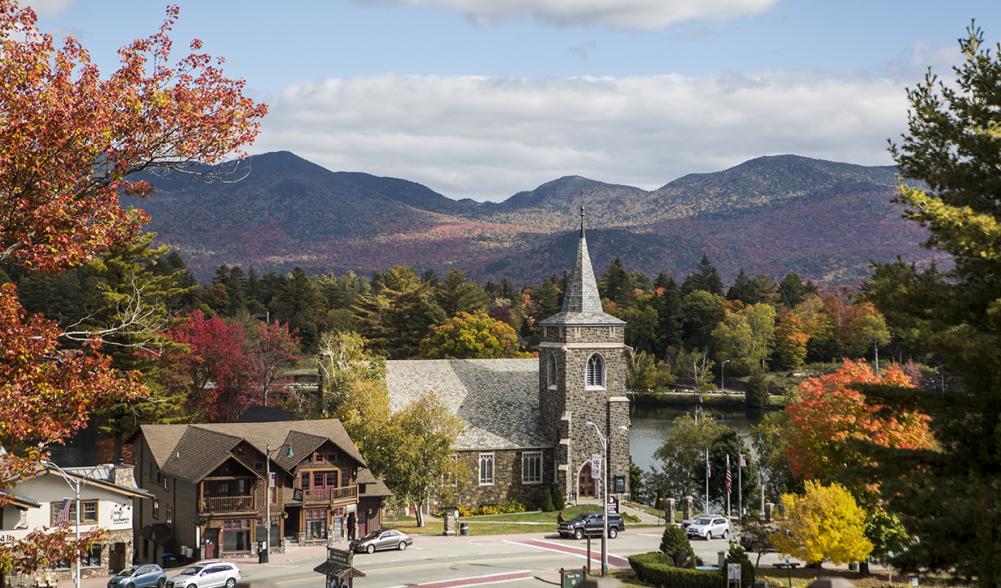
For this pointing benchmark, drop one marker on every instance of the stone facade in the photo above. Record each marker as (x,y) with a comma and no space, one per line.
(508,482)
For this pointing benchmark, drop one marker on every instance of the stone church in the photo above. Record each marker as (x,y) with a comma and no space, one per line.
(528,420)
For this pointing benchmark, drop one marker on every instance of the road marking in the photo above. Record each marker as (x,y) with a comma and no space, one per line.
(415,565)
(480,580)
(613,559)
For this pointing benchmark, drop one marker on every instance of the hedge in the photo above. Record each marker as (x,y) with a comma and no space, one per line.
(650,567)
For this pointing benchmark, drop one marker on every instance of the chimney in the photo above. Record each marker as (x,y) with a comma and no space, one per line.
(123,474)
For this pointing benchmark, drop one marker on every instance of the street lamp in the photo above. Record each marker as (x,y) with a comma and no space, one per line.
(74,484)
(722,377)
(604,496)
(267,494)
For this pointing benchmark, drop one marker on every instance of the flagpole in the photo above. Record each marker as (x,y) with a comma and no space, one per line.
(728,489)
(706,511)
(740,487)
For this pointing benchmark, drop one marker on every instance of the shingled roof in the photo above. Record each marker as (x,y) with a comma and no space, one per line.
(581,301)
(497,399)
(192,451)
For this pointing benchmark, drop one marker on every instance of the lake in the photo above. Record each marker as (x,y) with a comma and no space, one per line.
(649,426)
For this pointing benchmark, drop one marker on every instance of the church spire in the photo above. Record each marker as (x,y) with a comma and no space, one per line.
(581,301)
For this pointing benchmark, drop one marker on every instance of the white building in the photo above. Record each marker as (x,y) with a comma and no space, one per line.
(106,497)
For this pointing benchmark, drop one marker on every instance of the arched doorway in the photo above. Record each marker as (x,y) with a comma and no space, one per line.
(585,483)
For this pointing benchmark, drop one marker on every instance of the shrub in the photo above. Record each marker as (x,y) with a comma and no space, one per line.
(547,501)
(559,501)
(650,567)
(738,555)
(676,548)
(492,509)
(756,395)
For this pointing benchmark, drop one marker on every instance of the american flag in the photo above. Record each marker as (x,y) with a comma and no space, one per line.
(64,511)
(729,479)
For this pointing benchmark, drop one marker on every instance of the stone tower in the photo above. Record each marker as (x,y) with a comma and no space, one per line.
(582,379)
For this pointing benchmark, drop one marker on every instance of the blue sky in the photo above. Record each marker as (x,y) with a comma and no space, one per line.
(483,98)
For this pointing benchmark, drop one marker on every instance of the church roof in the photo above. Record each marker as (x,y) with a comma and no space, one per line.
(496,399)
(581,301)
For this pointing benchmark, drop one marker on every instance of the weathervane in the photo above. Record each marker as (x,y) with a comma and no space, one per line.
(582,219)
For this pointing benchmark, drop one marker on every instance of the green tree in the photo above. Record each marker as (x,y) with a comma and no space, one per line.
(772,445)
(399,313)
(696,367)
(298,302)
(951,153)
(793,290)
(470,336)
(418,460)
(791,340)
(458,294)
(702,311)
(667,303)
(745,337)
(681,459)
(756,395)
(616,284)
(705,278)
(644,373)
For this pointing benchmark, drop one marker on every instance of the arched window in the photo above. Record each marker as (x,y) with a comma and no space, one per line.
(551,371)
(595,372)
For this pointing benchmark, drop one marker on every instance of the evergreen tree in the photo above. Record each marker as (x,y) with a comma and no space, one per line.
(953,146)
(397,316)
(792,289)
(741,288)
(705,278)
(667,303)
(298,302)
(616,284)
(459,294)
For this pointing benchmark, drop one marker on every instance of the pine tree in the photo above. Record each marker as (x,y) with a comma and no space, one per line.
(952,151)
(459,294)
(705,278)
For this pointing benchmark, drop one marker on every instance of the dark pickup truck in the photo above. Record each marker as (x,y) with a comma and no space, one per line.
(590,525)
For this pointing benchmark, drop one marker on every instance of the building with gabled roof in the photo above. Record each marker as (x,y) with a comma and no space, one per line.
(209,487)
(527,420)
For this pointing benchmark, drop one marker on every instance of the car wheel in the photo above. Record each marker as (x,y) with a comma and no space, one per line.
(370,548)
(578,534)
(192,585)
(131,585)
(403,545)
(230,582)
(708,536)
(613,533)
(726,533)
(161,582)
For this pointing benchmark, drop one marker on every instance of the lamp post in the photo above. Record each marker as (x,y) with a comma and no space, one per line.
(74,484)
(267,495)
(722,376)
(604,496)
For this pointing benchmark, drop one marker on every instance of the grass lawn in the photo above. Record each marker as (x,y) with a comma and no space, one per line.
(498,524)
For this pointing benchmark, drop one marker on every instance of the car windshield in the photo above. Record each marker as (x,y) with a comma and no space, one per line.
(372,535)
(582,516)
(126,572)
(192,571)
(703,521)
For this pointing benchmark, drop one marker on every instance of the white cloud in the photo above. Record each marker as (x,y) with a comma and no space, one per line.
(48,7)
(488,138)
(624,14)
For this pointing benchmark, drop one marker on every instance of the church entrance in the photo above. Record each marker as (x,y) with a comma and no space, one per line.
(585,483)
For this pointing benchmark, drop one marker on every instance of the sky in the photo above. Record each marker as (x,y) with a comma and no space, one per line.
(486,98)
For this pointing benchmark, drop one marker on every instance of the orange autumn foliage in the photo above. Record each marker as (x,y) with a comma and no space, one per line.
(827,411)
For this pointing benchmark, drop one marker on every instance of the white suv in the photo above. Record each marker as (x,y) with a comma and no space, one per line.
(206,574)
(707,527)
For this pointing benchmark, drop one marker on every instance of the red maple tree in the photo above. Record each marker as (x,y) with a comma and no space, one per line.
(71,141)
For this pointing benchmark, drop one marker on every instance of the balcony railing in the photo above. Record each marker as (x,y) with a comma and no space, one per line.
(330,494)
(228,504)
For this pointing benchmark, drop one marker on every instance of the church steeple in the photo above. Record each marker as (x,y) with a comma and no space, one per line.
(581,301)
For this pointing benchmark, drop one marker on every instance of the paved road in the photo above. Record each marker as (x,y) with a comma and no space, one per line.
(439,562)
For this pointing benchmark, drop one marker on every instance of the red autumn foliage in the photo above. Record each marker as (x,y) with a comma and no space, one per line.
(827,411)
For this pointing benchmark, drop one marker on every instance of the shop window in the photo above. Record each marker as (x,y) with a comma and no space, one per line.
(275,540)
(236,535)
(156,509)
(88,514)
(316,523)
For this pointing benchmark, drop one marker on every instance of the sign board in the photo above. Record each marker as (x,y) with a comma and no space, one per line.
(596,466)
(619,485)
(733,572)
(351,508)
(340,556)
(613,505)
(572,578)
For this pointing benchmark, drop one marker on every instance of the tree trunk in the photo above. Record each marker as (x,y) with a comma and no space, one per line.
(118,449)
(420,515)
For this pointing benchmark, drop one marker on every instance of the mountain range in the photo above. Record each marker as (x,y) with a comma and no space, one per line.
(769,215)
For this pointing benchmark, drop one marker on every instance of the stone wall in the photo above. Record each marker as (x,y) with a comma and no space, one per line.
(507,486)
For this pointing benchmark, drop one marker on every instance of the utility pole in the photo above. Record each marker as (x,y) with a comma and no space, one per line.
(706,511)
(603,441)
(265,556)
(74,484)
(740,485)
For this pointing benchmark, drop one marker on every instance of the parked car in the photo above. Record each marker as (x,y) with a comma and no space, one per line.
(206,574)
(590,524)
(381,540)
(708,527)
(143,576)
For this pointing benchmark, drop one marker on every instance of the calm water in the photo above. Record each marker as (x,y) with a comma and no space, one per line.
(649,427)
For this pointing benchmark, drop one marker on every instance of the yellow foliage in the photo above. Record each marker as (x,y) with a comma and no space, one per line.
(825,523)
